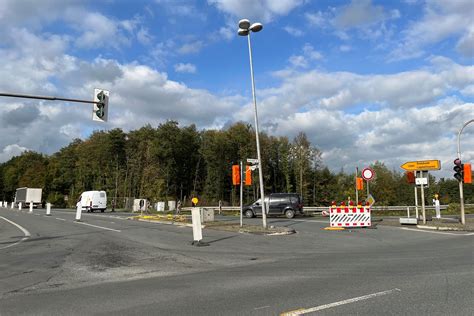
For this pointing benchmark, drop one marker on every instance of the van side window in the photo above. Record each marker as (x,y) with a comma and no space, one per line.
(102,195)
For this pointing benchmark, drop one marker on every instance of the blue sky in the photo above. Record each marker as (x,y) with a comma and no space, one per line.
(365,80)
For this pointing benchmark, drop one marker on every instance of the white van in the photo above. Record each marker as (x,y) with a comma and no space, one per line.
(93,200)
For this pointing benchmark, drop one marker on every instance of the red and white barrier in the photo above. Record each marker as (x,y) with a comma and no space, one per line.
(350,216)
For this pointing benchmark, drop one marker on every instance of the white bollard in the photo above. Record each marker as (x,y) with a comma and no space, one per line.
(78,212)
(48,209)
(31,207)
(19,206)
(13,205)
(197,228)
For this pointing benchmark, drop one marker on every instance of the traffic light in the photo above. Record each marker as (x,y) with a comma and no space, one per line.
(248,175)
(467,173)
(235,175)
(410,176)
(101,105)
(360,184)
(458,169)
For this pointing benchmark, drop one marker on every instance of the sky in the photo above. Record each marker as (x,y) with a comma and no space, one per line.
(366,80)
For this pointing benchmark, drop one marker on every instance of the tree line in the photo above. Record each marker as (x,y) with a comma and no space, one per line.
(170,162)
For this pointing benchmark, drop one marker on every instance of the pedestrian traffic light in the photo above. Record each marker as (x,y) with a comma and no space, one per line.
(101,105)
(235,175)
(458,169)
(248,175)
(467,173)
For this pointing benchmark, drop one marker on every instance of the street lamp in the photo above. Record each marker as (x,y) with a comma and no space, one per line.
(245,28)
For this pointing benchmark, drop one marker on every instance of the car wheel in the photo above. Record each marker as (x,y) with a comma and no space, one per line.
(249,214)
(102,211)
(289,213)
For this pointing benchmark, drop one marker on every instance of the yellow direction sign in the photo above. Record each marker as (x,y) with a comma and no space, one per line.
(421,165)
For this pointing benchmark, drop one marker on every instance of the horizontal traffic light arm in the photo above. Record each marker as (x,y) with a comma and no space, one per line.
(39,97)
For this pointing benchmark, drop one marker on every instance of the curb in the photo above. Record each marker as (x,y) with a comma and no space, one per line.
(443,228)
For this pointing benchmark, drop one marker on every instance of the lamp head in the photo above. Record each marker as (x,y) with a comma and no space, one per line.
(244,24)
(243,32)
(256,27)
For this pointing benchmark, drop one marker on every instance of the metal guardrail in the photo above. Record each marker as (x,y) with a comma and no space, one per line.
(318,209)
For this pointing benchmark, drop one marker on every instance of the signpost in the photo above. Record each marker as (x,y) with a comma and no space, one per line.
(368,174)
(421,169)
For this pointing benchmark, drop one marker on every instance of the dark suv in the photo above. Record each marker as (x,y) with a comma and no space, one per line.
(288,204)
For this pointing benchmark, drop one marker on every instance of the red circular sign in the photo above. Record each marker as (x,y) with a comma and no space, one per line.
(368,174)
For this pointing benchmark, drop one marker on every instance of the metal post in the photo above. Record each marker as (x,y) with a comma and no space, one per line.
(368,193)
(461,193)
(416,203)
(241,195)
(260,171)
(357,193)
(423,211)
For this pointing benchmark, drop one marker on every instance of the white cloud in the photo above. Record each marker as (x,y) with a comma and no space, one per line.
(345,48)
(318,19)
(359,13)
(144,37)
(294,31)
(441,20)
(191,48)
(465,45)
(11,151)
(260,10)
(185,68)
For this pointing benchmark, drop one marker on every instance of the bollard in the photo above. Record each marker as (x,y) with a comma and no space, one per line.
(13,205)
(31,207)
(197,228)
(19,206)
(78,212)
(48,209)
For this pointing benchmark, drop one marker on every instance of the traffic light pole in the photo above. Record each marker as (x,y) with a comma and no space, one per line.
(39,97)
(461,193)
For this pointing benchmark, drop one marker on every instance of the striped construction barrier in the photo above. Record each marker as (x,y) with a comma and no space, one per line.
(349,216)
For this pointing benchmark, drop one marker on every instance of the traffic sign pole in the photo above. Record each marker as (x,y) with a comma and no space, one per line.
(423,211)
(461,193)
(416,203)
(357,191)
(241,193)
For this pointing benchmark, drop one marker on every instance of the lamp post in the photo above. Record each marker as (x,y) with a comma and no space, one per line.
(245,28)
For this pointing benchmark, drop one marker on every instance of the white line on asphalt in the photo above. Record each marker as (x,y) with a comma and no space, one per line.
(27,233)
(262,307)
(115,230)
(310,221)
(60,219)
(436,232)
(335,304)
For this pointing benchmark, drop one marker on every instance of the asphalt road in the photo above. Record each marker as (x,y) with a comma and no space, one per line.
(110,265)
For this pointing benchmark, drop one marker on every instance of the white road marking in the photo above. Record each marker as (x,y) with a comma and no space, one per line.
(25,232)
(335,304)
(436,232)
(310,221)
(60,219)
(262,307)
(115,230)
